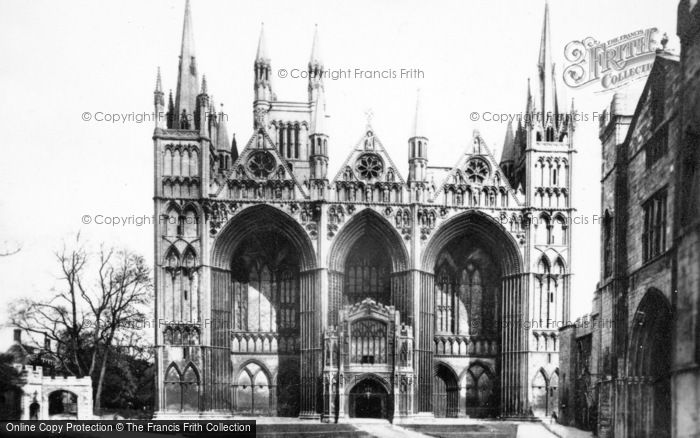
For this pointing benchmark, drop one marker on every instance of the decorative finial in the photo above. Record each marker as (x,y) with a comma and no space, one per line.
(159,83)
(261,54)
(664,41)
(417,119)
(204,84)
(315,48)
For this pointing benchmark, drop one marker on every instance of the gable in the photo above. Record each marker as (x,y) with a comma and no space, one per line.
(369,163)
(475,178)
(259,173)
(656,103)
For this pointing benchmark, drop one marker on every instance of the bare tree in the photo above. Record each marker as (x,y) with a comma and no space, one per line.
(62,318)
(124,291)
(90,314)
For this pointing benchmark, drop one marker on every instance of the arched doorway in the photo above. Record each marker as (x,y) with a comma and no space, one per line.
(445,392)
(369,399)
(368,259)
(34,410)
(63,405)
(540,394)
(182,389)
(467,287)
(253,391)
(480,394)
(266,301)
(553,407)
(649,394)
(471,282)
(262,267)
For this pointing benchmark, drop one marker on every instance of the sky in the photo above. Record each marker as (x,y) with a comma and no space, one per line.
(60,60)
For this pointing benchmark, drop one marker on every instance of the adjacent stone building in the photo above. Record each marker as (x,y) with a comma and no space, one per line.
(284,290)
(43,395)
(634,372)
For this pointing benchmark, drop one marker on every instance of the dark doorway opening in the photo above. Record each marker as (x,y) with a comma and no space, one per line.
(650,363)
(445,393)
(34,411)
(369,399)
(63,404)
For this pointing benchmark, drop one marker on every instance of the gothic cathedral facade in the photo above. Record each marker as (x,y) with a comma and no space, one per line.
(283,290)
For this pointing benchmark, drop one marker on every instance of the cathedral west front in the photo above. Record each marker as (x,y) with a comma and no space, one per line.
(383,290)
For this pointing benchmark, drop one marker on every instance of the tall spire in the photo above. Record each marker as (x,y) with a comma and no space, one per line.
(263,71)
(222,141)
(159,103)
(171,111)
(159,82)
(529,106)
(234,149)
(158,92)
(212,118)
(315,69)
(187,81)
(319,141)
(261,54)
(545,43)
(417,118)
(545,68)
(509,152)
(204,84)
(315,49)
(417,147)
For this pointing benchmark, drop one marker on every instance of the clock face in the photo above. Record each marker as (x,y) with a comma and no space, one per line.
(369,166)
(261,164)
(477,170)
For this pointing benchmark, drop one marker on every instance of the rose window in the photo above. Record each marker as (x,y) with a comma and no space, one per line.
(261,164)
(477,171)
(370,166)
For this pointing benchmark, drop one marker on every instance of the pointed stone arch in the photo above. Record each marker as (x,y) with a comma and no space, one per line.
(554,392)
(264,287)
(544,266)
(368,259)
(559,229)
(172,258)
(253,389)
(369,397)
(171,215)
(540,392)
(649,393)
(367,222)
(189,220)
(172,390)
(189,257)
(190,383)
(478,224)
(477,242)
(479,382)
(445,391)
(261,219)
(543,229)
(560,266)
